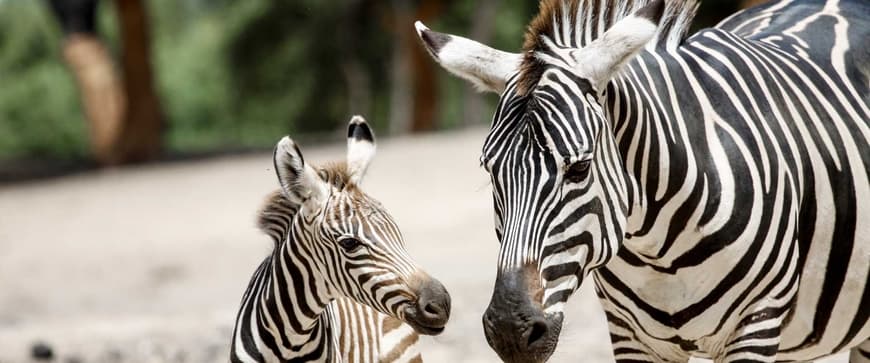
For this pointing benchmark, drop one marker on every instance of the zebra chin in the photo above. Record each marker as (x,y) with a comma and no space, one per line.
(429,314)
(515,323)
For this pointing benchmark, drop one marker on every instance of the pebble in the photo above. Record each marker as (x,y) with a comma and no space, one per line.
(41,351)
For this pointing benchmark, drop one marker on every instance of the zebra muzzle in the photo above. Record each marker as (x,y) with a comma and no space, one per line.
(429,314)
(515,324)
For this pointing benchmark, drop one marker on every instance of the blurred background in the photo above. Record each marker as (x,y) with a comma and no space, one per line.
(101,261)
(89,82)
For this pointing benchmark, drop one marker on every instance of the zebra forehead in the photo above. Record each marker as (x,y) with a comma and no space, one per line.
(337,175)
(352,199)
(355,204)
(532,128)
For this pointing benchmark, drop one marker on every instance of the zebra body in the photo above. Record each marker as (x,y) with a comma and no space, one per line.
(799,260)
(715,187)
(338,286)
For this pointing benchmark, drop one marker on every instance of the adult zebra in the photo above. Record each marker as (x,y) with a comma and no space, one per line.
(716,187)
(339,282)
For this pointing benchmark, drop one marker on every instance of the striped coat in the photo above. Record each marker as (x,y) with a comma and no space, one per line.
(339,285)
(715,187)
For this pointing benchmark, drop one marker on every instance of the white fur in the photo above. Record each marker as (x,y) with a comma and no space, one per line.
(487,68)
(299,181)
(359,153)
(605,56)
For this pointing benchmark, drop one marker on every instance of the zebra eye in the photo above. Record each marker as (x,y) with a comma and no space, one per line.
(350,244)
(577,171)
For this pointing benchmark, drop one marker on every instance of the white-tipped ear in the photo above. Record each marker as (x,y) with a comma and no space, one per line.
(487,68)
(360,148)
(299,181)
(605,56)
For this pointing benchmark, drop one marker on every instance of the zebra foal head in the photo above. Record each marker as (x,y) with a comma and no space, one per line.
(348,242)
(559,188)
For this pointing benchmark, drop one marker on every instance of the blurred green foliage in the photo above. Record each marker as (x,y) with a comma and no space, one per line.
(230,74)
(40,113)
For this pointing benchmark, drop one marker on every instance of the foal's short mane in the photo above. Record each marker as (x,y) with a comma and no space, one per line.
(585,20)
(337,174)
(277,213)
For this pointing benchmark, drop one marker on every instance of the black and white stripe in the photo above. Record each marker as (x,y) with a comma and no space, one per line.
(716,187)
(339,285)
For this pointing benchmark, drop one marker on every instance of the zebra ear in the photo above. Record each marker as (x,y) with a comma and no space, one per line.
(605,56)
(299,181)
(360,148)
(487,68)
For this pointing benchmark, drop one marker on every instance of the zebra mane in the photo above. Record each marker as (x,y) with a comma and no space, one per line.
(277,212)
(276,215)
(337,174)
(576,23)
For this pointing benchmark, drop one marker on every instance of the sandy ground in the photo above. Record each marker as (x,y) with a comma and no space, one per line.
(148,264)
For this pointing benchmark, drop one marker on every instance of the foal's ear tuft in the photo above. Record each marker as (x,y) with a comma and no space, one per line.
(299,181)
(360,148)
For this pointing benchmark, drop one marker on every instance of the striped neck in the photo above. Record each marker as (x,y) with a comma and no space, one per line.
(648,129)
(291,308)
(621,107)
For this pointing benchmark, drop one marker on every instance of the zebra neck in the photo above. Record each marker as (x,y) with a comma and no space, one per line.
(642,104)
(292,309)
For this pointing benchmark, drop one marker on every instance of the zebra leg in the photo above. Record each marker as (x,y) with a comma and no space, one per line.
(861,353)
(757,337)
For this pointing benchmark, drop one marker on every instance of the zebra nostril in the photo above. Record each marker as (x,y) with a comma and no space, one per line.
(537,331)
(432,309)
(433,303)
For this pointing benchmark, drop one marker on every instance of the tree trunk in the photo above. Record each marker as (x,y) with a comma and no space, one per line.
(414,88)
(124,116)
(401,101)
(357,79)
(422,70)
(100,91)
(141,136)
(745,4)
(482,26)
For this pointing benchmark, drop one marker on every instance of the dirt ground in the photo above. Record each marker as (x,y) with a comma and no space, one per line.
(148,264)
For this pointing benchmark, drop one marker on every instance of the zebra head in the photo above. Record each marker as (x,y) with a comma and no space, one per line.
(349,242)
(559,187)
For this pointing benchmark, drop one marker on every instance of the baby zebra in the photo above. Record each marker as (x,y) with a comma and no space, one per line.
(339,283)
